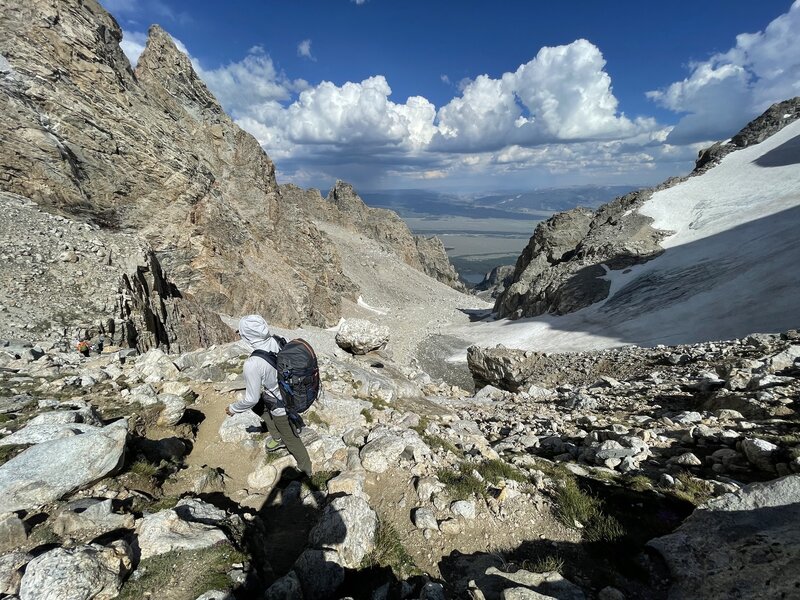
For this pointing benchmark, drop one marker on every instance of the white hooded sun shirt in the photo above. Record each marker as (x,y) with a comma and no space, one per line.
(258,373)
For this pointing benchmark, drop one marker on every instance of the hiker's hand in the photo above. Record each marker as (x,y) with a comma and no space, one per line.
(228,411)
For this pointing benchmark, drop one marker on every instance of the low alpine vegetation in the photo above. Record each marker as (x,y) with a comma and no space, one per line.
(390,552)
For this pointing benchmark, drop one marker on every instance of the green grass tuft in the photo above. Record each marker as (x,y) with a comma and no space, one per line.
(640,483)
(544,564)
(390,552)
(574,506)
(183,574)
(144,468)
(603,528)
(462,483)
(436,442)
(495,471)
(692,490)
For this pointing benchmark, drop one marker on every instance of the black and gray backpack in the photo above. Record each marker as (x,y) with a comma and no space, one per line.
(298,373)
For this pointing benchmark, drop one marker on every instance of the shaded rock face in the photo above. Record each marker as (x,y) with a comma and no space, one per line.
(722,550)
(496,281)
(561,270)
(426,254)
(563,267)
(773,120)
(152,151)
(64,277)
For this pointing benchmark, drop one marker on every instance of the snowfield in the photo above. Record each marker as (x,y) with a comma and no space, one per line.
(731,267)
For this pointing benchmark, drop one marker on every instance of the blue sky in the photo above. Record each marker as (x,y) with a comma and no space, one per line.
(477,96)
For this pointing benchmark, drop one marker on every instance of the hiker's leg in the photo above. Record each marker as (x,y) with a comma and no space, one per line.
(268,405)
(269,421)
(293,443)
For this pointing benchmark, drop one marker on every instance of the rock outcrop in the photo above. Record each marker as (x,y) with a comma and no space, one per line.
(723,549)
(152,152)
(563,269)
(344,207)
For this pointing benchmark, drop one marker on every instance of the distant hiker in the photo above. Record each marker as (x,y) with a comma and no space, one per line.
(83,347)
(261,381)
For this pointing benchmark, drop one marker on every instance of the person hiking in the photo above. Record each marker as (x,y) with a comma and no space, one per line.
(261,383)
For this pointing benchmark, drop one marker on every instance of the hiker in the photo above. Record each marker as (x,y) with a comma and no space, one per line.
(261,381)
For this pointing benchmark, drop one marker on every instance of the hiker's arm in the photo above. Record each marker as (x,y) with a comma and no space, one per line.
(252,392)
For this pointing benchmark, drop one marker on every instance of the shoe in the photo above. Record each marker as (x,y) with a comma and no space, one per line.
(272,445)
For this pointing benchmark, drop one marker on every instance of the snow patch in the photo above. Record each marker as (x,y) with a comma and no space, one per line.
(5,66)
(729,269)
(380,311)
(338,325)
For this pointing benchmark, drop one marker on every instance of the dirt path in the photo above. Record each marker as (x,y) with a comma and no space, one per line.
(209,450)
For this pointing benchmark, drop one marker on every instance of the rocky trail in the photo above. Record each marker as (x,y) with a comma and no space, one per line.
(571,475)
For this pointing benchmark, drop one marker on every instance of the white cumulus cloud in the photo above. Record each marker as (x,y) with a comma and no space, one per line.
(304,50)
(561,95)
(722,93)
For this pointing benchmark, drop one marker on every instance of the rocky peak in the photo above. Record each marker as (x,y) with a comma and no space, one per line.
(563,269)
(345,198)
(163,63)
(424,253)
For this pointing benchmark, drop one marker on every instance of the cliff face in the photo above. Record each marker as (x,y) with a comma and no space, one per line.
(152,152)
(563,268)
(344,207)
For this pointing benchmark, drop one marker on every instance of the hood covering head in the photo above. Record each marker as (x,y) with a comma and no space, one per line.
(254,330)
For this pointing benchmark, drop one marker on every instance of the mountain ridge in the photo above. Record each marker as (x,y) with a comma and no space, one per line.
(150,151)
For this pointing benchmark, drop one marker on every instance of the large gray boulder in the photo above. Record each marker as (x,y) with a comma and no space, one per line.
(91,572)
(347,525)
(165,531)
(50,470)
(381,453)
(359,336)
(45,432)
(744,544)
(11,566)
(319,572)
(89,517)
(240,427)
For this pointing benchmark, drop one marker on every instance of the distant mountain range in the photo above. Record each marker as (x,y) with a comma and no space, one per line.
(532,204)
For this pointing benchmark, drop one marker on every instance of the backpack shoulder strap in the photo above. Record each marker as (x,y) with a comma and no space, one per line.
(270,357)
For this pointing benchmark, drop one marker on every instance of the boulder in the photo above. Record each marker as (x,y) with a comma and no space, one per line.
(738,545)
(264,477)
(192,509)
(49,470)
(154,366)
(46,432)
(11,566)
(463,508)
(165,531)
(359,336)
(760,453)
(425,518)
(319,572)
(347,525)
(90,517)
(174,407)
(381,453)
(12,532)
(286,588)
(240,427)
(92,572)
(524,584)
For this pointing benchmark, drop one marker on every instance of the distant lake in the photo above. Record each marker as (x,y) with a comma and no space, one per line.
(476,246)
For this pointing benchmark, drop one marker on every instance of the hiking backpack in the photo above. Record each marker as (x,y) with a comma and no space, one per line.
(298,373)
